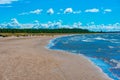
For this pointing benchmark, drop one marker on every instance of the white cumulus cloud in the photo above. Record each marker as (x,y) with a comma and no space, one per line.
(13,24)
(37,11)
(14,21)
(94,10)
(7,1)
(68,10)
(50,11)
(107,10)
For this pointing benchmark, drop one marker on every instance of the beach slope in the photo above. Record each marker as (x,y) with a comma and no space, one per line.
(28,59)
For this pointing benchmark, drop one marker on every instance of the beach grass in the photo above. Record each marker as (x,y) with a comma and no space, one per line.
(32,34)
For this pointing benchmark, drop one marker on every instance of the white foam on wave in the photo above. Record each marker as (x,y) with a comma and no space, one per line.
(111,47)
(110,40)
(117,62)
(87,40)
(117,66)
(65,42)
(75,38)
(102,66)
(73,51)
(51,43)
(100,38)
(114,40)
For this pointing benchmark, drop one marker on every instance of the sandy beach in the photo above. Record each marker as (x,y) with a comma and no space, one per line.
(28,59)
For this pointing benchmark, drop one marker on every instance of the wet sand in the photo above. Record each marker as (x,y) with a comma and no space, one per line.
(28,59)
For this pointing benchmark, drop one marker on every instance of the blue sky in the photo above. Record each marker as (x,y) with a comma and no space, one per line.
(67,11)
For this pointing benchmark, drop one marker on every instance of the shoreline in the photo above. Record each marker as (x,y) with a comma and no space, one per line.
(87,58)
(93,64)
(37,62)
(83,56)
(50,42)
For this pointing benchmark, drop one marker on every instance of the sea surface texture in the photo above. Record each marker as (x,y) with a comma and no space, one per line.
(102,49)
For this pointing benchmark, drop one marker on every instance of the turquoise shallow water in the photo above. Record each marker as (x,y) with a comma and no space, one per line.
(102,49)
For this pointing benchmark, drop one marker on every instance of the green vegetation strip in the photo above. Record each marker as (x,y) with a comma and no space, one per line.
(32,32)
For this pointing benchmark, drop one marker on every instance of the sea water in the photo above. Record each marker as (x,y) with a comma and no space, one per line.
(102,49)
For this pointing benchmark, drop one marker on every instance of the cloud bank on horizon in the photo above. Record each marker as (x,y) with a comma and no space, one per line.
(14,24)
(101,12)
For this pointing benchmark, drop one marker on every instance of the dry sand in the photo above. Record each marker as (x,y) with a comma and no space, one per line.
(28,59)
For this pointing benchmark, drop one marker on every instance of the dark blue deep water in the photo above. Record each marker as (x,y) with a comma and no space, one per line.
(102,49)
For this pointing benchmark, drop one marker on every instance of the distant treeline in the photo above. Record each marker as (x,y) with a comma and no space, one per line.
(45,31)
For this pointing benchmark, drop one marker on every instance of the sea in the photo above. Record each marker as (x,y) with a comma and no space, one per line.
(101,49)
